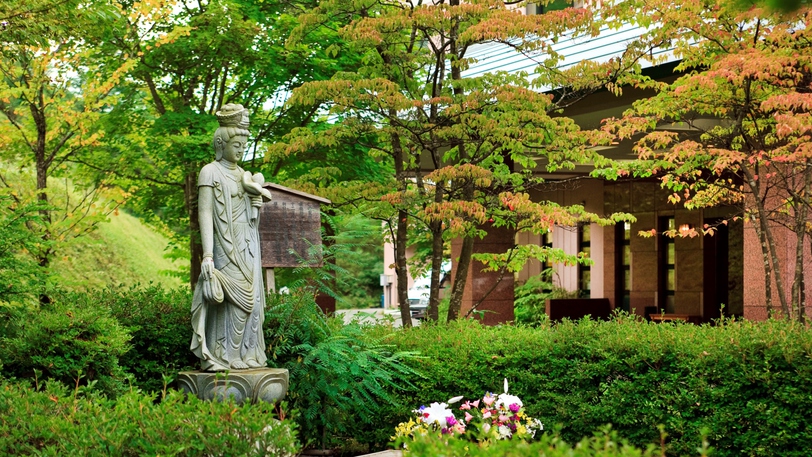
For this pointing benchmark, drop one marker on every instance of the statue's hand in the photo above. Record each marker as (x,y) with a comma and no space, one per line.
(207,267)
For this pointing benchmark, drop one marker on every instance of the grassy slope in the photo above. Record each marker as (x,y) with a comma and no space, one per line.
(122,251)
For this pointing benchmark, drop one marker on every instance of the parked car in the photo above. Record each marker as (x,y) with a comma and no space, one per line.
(418,294)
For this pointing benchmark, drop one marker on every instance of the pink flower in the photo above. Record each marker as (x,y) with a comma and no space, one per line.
(486,414)
(475,404)
(468,417)
(466,405)
(514,408)
(488,399)
(503,418)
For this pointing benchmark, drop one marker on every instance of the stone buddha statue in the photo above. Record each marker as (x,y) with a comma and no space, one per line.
(229,301)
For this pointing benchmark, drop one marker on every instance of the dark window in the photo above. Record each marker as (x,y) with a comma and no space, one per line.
(547,265)
(584,272)
(623,262)
(667,266)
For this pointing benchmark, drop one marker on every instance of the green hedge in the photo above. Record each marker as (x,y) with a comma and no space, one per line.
(112,336)
(74,343)
(160,324)
(747,385)
(55,422)
(604,443)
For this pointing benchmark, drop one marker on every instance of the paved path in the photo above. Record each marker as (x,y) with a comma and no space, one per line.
(371,315)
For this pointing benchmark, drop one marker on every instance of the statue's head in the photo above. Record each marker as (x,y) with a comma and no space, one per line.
(233,119)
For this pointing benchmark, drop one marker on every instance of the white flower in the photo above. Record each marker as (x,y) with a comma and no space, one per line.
(505,400)
(436,412)
(504,432)
(454,400)
(534,426)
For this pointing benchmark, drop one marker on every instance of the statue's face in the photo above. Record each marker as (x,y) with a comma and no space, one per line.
(234,149)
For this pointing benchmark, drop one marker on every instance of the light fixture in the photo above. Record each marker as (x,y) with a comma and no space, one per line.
(685,229)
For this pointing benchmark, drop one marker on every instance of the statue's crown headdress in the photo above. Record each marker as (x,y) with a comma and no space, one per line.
(231,115)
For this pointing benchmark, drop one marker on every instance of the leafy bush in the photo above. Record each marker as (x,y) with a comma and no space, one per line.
(21,278)
(742,382)
(340,376)
(160,324)
(73,342)
(604,443)
(54,422)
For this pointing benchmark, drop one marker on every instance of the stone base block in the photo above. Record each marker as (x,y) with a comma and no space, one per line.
(258,385)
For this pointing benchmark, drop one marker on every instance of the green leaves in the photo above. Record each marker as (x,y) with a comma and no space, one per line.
(54,421)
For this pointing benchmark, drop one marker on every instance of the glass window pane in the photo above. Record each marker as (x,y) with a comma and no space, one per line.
(627,255)
(627,279)
(670,254)
(627,231)
(585,234)
(671,223)
(669,280)
(586,277)
(586,250)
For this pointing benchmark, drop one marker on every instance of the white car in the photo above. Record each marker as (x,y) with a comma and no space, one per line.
(418,294)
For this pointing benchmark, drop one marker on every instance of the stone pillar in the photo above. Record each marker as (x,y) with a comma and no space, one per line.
(497,298)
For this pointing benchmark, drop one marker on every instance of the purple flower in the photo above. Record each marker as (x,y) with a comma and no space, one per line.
(514,408)
(451,421)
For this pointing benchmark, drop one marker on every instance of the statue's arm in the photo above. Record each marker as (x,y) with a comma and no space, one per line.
(205,214)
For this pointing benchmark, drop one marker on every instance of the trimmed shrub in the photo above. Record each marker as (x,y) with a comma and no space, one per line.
(138,334)
(744,383)
(74,343)
(604,443)
(160,323)
(54,423)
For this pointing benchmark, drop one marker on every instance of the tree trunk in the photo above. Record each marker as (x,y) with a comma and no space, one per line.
(402,235)
(801,212)
(42,165)
(436,228)
(768,244)
(400,268)
(464,261)
(798,277)
(460,278)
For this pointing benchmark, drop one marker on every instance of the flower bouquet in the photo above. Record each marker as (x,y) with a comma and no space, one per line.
(492,417)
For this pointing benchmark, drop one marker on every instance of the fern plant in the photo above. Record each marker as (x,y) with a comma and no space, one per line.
(338,373)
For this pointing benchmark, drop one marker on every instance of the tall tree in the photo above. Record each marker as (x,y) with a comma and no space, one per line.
(745,97)
(232,51)
(463,145)
(52,96)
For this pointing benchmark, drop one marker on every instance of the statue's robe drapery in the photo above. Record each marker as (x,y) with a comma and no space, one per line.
(228,328)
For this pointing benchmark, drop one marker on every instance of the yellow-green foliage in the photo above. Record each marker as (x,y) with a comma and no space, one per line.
(121,251)
(56,422)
